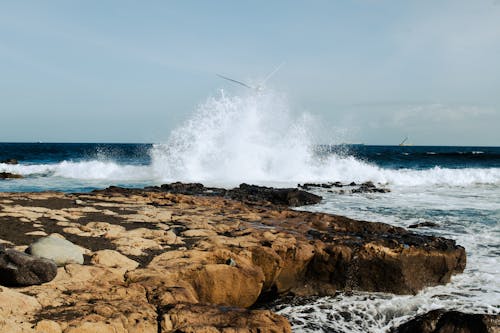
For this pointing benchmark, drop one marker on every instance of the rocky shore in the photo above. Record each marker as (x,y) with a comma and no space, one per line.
(185,258)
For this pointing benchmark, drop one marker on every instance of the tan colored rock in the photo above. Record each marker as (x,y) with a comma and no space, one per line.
(205,318)
(16,303)
(47,326)
(111,258)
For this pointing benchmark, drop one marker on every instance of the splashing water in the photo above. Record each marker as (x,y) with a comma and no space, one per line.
(254,138)
(234,139)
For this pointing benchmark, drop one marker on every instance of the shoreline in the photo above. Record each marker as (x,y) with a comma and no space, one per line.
(196,254)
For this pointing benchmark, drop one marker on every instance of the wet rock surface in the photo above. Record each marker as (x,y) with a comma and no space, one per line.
(175,257)
(247,193)
(426,224)
(340,188)
(442,321)
(8,175)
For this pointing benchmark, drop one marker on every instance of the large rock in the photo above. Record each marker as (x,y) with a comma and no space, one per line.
(442,321)
(20,269)
(59,250)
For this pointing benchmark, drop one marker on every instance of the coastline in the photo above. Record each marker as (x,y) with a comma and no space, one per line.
(175,257)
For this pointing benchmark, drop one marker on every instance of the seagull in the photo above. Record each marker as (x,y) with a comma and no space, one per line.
(258,87)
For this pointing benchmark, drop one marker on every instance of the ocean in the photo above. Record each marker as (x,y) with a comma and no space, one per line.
(230,140)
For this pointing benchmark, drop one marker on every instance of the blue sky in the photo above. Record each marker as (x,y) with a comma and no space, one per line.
(131,71)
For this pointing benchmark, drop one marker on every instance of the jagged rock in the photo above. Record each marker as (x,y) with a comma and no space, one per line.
(59,250)
(442,321)
(209,318)
(20,269)
(369,187)
(281,196)
(423,224)
(248,193)
(8,175)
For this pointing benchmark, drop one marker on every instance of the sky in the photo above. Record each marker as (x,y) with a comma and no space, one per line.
(372,71)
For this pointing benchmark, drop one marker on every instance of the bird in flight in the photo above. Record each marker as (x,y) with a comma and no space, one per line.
(259,86)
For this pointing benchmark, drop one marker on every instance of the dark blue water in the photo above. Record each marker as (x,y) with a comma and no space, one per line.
(392,157)
(39,153)
(421,157)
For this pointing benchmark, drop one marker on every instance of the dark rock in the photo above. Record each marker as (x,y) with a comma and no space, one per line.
(423,224)
(278,196)
(10,161)
(192,189)
(248,193)
(442,321)
(370,256)
(352,184)
(8,175)
(20,269)
(369,187)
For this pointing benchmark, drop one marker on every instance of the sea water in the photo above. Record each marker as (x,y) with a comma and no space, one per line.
(257,139)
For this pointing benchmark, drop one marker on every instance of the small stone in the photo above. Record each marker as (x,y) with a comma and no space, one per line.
(60,250)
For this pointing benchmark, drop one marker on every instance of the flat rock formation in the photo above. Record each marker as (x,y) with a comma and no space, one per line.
(157,261)
(250,194)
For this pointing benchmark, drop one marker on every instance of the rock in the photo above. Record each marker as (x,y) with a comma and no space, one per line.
(20,269)
(9,161)
(442,321)
(209,318)
(47,326)
(369,187)
(281,196)
(59,250)
(111,258)
(205,254)
(248,193)
(8,175)
(423,224)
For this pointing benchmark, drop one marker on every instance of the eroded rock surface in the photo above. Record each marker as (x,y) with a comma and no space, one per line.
(174,257)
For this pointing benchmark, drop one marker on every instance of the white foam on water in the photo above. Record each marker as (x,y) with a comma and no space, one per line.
(83,170)
(469,215)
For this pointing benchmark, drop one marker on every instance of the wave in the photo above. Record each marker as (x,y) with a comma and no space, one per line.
(335,168)
(254,139)
(85,170)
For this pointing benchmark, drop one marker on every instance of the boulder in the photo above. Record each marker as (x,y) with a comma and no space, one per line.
(442,321)
(20,269)
(59,250)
